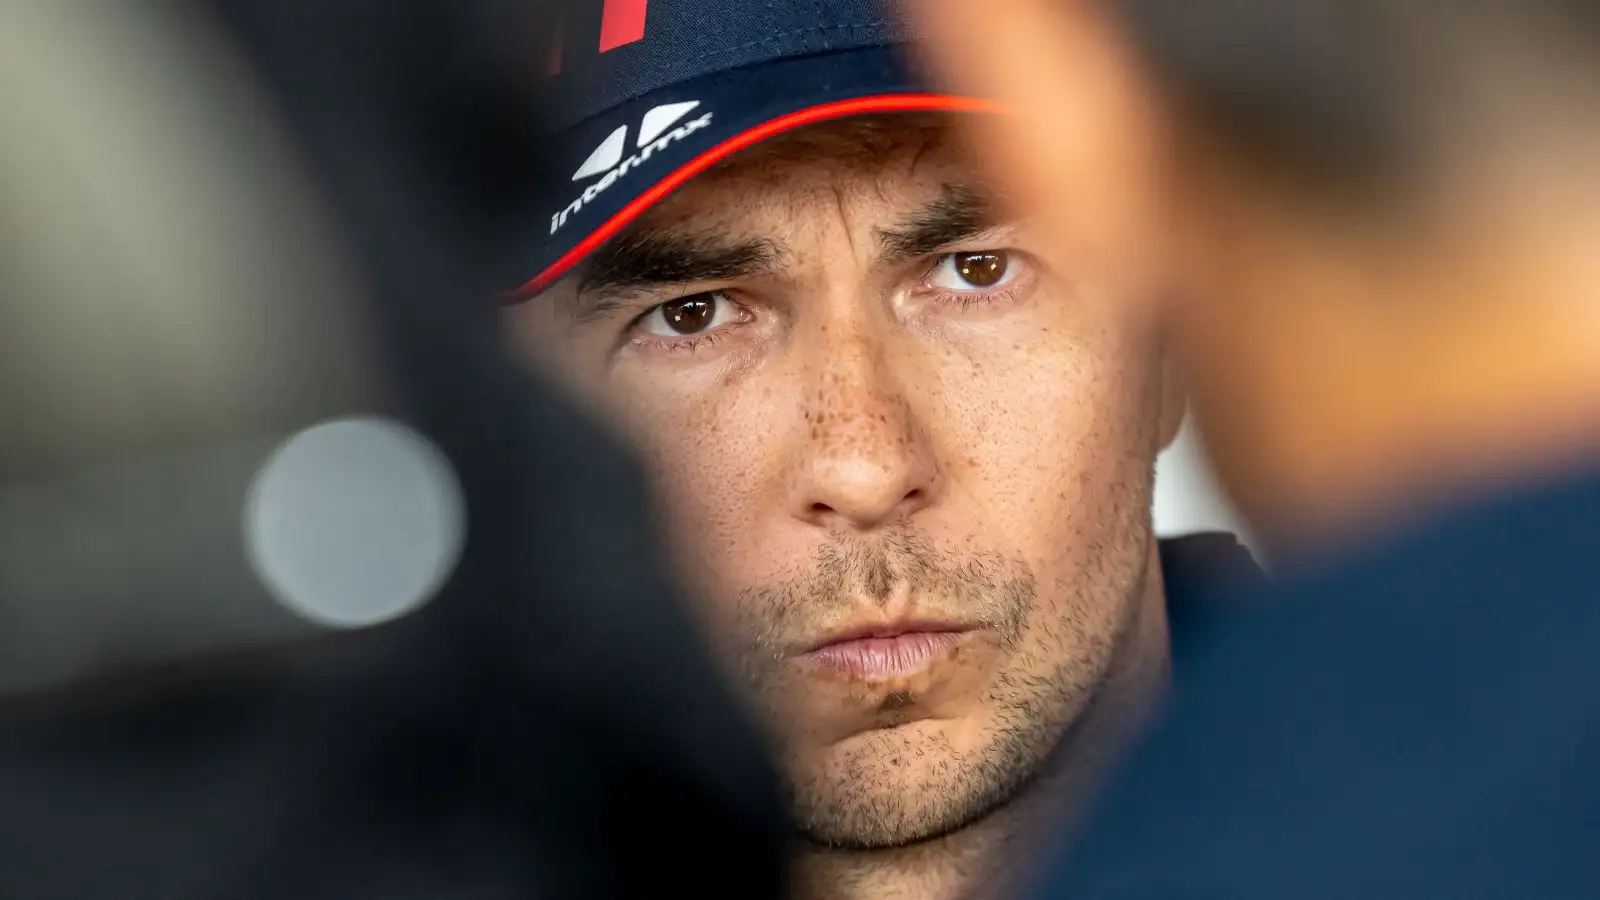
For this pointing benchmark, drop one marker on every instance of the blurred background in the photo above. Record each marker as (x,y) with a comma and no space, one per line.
(1187,497)
(143,179)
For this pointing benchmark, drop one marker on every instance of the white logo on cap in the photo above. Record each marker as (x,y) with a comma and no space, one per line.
(656,133)
(605,157)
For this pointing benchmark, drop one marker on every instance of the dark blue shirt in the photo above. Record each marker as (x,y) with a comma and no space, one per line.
(1421,720)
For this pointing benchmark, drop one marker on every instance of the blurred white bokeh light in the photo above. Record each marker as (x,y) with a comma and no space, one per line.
(355,522)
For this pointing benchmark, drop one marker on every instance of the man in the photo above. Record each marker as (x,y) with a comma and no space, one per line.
(1386,218)
(906,465)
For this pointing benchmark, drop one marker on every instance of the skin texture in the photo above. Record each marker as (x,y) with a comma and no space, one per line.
(1352,364)
(862,436)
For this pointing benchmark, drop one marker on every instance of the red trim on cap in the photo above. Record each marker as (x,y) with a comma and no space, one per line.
(800,118)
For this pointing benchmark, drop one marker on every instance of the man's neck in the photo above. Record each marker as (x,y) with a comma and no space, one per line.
(989,857)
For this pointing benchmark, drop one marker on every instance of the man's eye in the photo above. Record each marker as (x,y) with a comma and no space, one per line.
(686,316)
(982,270)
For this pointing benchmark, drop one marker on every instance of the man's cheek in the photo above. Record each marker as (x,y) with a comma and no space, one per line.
(693,499)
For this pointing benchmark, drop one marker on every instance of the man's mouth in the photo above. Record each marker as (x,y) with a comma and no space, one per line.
(885,651)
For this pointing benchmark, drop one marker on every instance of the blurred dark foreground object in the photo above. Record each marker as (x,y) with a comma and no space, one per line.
(1419,720)
(549,726)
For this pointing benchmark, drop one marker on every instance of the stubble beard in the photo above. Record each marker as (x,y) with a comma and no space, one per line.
(1054,662)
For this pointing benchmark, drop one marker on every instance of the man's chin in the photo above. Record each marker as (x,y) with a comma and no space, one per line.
(859,831)
(878,798)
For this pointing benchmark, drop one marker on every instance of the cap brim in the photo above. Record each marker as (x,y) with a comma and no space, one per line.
(734,110)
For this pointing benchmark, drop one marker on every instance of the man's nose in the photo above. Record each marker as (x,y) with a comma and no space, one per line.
(866,458)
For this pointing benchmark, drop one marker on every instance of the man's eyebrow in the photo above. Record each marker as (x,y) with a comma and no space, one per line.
(960,213)
(653,258)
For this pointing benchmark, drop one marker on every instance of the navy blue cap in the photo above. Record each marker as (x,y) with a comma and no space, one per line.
(649,93)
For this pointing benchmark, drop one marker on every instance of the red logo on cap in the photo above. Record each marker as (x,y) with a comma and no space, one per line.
(621,22)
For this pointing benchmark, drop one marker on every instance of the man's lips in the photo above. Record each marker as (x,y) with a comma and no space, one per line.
(885,651)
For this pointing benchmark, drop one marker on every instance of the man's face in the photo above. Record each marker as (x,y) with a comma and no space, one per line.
(906,468)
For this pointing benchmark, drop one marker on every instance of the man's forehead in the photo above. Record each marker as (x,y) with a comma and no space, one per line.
(902,161)
(861,143)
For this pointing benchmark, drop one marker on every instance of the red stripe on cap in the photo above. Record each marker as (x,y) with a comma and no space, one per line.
(621,22)
(798,119)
